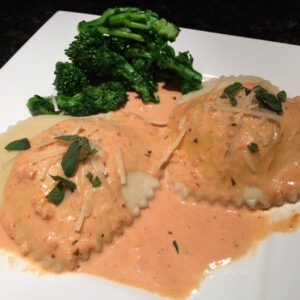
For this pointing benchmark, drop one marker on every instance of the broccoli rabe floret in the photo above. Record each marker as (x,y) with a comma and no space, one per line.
(125,45)
(102,56)
(108,96)
(132,23)
(181,66)
(69,79)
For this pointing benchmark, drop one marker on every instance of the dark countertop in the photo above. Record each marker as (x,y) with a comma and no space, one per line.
(278,21)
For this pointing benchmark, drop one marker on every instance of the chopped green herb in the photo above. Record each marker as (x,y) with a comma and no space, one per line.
(247,91)
(94,181)
(21,144)
(176,246)
(57,194)
(230,92)
(67,137)
(76,252)
(72,156)
(268,100)
(253,147)
(70,159)
(85,143)
(148,154)
(68,183)
(282,96)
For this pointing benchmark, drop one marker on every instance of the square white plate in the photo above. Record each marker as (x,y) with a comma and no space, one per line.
(269,273)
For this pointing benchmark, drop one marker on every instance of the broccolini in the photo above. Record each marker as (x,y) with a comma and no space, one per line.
(108,96)
(69,79)
(127,46)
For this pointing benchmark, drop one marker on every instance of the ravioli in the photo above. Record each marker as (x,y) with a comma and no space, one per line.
(60,235)
(238,154)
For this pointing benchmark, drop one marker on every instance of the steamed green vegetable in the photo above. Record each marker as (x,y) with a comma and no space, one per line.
(108,96)
(127,46)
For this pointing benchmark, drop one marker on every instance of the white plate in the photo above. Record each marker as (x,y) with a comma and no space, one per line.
(271,273)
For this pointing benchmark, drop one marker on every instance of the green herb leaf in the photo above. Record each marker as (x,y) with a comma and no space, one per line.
(94,181)
(68,183)
(74,153)
(253,147)
(231,91)
(176,246)
(281,96)
(85,144)
(268,100)
(57,194)
(233,182)
(21,144)
(68,137)
(70,159)
(247,91)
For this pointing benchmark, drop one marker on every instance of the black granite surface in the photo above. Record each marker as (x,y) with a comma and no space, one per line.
(276,20)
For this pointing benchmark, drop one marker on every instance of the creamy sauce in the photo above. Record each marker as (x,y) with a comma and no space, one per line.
(214,161)
(170,246)
(146,255)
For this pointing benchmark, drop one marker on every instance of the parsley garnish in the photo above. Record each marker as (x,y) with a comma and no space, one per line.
(78,151)
(230,92)
(265,99)
(268,100)
(176,246)
(21,144)
(253,147)
(58,192)
(148,154)
(233,182)
(93,180)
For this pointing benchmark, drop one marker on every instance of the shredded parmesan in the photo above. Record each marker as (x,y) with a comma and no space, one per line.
(45,143)
(99,166)
(45,170)
(54,103)
(120,164)
(92,130)
(233,143)
(85,209)
(169,151)
(47,154)
(181,122)
(256,113)
(99,152)
(249,161)
(158,122)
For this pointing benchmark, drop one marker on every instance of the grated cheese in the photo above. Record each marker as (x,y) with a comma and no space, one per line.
(92,130)
(158,122)
(120,164)
(169,151)
(249,161)
(256,113)
(85,209)
(99,166)
(54,103)
(45,170)
(233,143)
(48,154)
